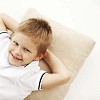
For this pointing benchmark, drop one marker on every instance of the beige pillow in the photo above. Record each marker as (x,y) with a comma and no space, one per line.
(71,47)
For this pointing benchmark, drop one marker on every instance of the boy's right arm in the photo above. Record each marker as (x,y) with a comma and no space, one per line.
(6,22)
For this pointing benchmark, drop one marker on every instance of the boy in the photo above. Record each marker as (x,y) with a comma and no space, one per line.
(20,55)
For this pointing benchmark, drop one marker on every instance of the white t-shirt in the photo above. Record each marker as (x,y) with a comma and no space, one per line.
(16,83)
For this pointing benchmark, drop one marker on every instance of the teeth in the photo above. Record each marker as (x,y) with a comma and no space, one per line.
(16,58)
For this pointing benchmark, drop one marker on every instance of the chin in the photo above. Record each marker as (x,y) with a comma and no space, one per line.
(13,62)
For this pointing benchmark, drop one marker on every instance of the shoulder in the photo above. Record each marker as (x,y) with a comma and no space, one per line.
(4,34)
(4,40)
(33,76)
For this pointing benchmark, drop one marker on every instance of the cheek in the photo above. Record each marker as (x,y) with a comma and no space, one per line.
(11,48)
(29,57)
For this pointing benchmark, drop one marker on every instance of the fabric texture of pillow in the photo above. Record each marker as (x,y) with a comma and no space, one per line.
(71,47)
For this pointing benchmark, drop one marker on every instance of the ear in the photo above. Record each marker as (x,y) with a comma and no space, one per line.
(40,56)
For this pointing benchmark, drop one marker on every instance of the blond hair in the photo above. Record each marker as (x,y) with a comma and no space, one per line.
(39,31)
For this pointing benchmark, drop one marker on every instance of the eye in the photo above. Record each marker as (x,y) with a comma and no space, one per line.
(15,43)
(26,50)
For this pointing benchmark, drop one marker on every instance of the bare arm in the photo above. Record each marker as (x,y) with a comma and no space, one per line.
(60,74)
(6,22)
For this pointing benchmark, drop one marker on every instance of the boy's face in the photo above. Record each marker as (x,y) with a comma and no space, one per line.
(21,50)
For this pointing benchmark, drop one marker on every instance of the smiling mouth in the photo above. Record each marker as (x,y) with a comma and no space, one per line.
(15,58)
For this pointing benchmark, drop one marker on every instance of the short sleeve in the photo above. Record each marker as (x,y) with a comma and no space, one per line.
(32,81)
(4,35)
(4,40)
(38,81)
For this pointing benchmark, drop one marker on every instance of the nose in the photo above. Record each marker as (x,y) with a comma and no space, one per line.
(18,51)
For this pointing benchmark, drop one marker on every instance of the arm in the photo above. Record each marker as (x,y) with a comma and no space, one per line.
(60,74)
(6,22)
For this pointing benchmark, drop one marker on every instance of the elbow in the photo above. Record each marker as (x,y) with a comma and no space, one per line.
(66,77)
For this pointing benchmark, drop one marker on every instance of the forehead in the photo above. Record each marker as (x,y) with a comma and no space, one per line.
(23,40)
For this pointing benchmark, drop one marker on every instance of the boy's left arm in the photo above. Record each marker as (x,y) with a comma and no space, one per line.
(60,74)
(6,22)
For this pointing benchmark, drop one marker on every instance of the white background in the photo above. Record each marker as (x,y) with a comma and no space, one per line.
(80,15)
